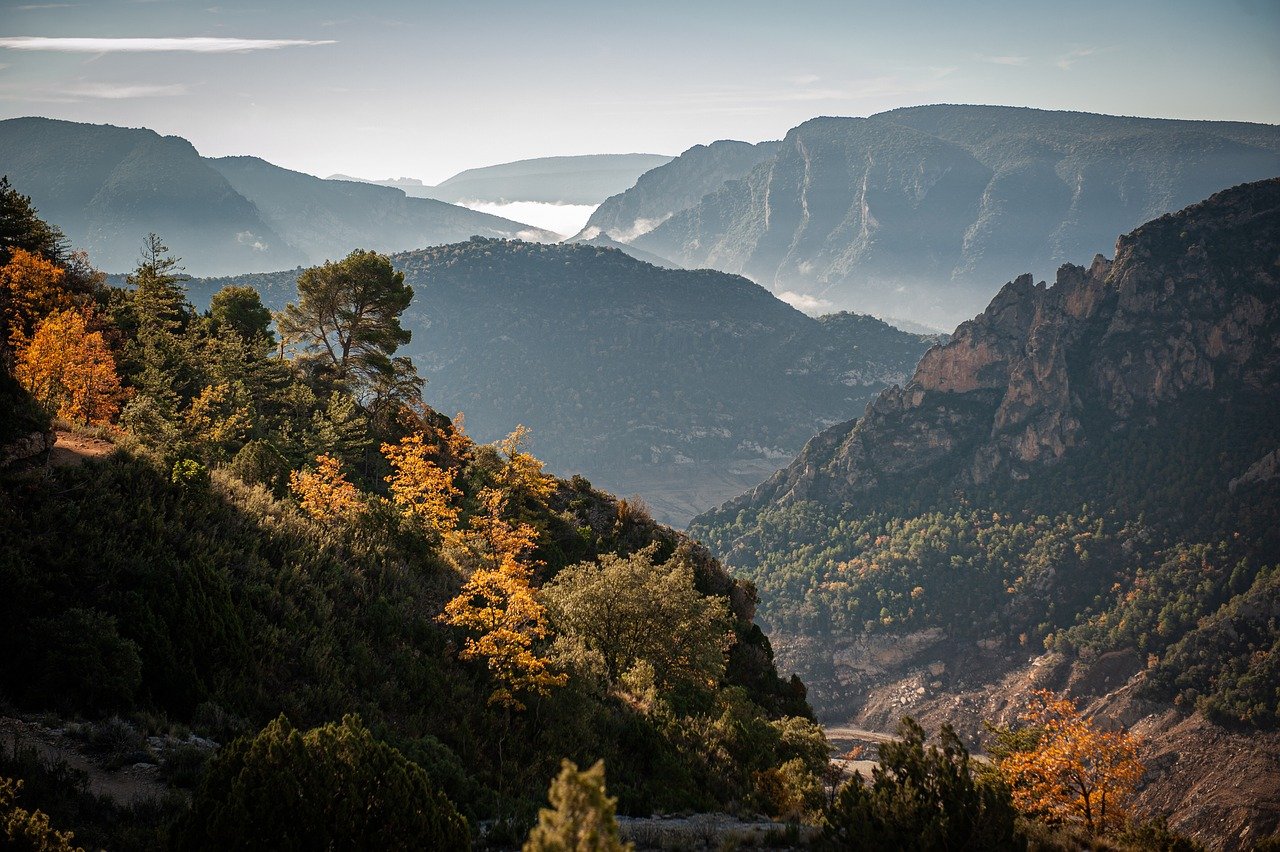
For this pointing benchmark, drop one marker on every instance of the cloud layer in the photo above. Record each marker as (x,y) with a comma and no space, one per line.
(153,45)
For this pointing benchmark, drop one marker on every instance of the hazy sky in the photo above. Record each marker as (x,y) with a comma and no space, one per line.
(425,89)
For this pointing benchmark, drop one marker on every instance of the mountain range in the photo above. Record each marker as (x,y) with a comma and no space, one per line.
(914,212)
(1077,491)
(684,386)
(107,187)
(583,179)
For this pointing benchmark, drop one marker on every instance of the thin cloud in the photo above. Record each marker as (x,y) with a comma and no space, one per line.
(154,45)
(1074,56)
(802,79)
(31,7)
(805,302)
(114,92)
(85,90)
(1005,60)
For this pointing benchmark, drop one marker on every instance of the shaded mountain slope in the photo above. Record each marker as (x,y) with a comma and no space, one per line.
(327,219)
(675,186)
(621,368)
(584,179)
(913,212)
(108,187)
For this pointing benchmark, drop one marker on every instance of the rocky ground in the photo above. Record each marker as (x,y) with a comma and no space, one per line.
(1216,784)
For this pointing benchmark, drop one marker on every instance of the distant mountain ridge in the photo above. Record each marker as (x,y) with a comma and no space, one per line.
(913,212)
(107,187)
(579,179)
(674,186)
(625,371)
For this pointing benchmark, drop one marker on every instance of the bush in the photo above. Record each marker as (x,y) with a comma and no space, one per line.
(922,799)
(332,787)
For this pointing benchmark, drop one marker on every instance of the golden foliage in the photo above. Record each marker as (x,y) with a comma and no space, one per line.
(324,493)
(419,487)
(522,475)
(500,607)
(31,288)
(1074,772)
(70,370)
(23,829)
(220,414)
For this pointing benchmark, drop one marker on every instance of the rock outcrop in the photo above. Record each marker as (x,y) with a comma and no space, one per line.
(918,212)
(1188,304)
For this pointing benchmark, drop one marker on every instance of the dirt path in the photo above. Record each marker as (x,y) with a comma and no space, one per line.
(844,733)
(71,449)
(124,786)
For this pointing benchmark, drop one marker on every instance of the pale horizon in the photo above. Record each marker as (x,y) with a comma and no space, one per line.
(397,90)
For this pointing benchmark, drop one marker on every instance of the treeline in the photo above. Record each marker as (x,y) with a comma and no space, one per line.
(285,528)
(1135,541)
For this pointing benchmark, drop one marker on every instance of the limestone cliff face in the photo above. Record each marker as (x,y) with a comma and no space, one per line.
(1189,302)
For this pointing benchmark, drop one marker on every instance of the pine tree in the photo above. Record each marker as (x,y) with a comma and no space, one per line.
(581,817)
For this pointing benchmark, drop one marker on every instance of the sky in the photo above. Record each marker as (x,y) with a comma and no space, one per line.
(425,89)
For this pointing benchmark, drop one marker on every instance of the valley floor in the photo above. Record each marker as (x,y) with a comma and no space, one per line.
(676,493)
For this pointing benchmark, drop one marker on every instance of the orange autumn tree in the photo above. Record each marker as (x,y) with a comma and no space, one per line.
(499,606)
(70,370)
(421,489)
(1065,769)
(324,493)
(31,288)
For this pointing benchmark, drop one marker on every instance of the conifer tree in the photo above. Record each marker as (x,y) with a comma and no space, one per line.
(581,817)
(348,317)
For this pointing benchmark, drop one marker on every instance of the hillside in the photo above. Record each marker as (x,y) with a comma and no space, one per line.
(108,187)
(1058,476)
(582,179)
(674,186)
(683,386)
(326,219)
(257,600)
(914,212)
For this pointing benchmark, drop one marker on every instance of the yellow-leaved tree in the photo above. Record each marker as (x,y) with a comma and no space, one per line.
(1063,768)
(499,607)
(324,493)
(31,288)
(421,488)
(70,370)
(521,475)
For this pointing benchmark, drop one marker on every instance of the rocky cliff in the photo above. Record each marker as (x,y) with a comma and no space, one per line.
(1190,302)
(915,212)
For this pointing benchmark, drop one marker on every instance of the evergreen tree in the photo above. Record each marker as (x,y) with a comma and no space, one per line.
(921,800)
(332,787)
(581,817)
(159,297)
(348,317)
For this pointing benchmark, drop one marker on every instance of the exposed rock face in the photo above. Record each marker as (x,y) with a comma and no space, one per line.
(917,212)
(1264,469)
(1189,302)
(27,447)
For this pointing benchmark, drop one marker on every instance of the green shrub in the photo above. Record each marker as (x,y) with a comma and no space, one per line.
(332,787)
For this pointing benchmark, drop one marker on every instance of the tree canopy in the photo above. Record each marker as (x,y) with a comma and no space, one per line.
(332,787)
(348,316)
